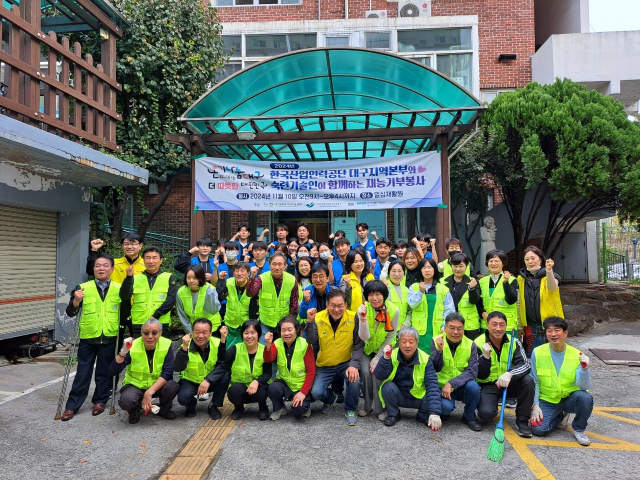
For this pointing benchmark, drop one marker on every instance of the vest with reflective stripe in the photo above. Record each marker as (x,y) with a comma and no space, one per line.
(97,317)
(295,377)
(554,386)
(469,311)
(497,367)
(454,365)
(550,304)
(241,371)
(137,373)
(335,348)
(449,271)
(146,301)
(496,302)
(420,314)
(378,335)
(237,309)
(197,369)
(400,301)
(184,294)
(273,306)
(418,390)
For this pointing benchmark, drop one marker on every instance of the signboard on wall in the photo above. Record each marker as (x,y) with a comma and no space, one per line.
(402,181)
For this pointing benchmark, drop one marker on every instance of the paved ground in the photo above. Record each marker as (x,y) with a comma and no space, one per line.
(107,447)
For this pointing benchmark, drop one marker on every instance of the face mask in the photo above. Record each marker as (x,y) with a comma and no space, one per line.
(231,255)
(325,255)
(534,270)
(453,252)
(303,254)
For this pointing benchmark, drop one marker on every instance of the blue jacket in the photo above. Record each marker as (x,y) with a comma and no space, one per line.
(369,247)
(265,267)
(404,379)
(313,301)
(337,271)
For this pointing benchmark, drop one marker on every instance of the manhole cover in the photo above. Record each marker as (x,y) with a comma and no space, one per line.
(617,357)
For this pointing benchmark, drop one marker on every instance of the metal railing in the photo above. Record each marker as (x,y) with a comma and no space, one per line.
(618,250)
(170,245)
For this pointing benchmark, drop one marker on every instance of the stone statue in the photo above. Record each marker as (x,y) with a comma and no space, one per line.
(488,236)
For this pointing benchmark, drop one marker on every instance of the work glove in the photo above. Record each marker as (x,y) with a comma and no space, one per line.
(387,351)
(536,416)
(434,422)
(486,350)
(584,361)
(126,346)
(373,363)
(362,312)
(504,380)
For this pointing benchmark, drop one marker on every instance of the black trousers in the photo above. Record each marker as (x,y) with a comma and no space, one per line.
(522,389)
(279,392)
(238,395)
(89,354)
(131,396)
(188,391)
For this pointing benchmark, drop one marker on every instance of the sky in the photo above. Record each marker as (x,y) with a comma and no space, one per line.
(614,15)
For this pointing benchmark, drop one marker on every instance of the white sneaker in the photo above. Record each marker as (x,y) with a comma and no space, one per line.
(204,398)
(278,414)
(307,414)
(582,438)
(564,423)
(383,416)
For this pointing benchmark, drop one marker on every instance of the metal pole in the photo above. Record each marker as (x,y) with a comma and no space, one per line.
(112,411)
(72,352)
(604,253)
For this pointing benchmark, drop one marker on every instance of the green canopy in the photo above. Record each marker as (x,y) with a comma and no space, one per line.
(330,104)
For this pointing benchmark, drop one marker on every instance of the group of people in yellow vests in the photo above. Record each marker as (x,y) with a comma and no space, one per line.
(417,335)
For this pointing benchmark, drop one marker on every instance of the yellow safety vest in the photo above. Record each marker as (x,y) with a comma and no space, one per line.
(146,301)
(378,335)
(497,302)
(196,369)
(554,386)
(420,314)
(237,309)
(295,377)
(400,301)
(137,373)
(184,294)
(449,271)
(335,348)
(356,290)
(273,306)
(419,390)
(120,266)
(497,367)
(454,365)
(100,318)
(550,304)
(241,371)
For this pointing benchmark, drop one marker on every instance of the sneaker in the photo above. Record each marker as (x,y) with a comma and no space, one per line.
(204,398)
(511,403)
(237,413)
(523,429)
(564,423)
(307,414)
(351,417)
(340,399)
(383,416)
(582,438)
(276,415)
(363,413)
(328,407)
(214,413)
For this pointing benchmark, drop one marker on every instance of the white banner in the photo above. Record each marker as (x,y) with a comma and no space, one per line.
(403,181)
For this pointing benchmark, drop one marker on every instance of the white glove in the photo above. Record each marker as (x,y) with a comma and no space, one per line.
(536,416)
(486,350)
(373,363)
(362,312)
(126,345)
(584,361)
(434,422)
(504,380)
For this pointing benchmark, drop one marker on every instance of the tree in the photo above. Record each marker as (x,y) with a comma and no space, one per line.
(167,58)
(563,142)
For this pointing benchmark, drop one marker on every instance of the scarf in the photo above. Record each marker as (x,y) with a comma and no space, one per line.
(382,316)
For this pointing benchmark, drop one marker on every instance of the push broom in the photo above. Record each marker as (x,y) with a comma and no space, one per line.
(496,447)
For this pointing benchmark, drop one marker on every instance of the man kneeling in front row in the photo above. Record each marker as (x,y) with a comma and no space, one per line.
(149,374)
(562,377)
(409,381)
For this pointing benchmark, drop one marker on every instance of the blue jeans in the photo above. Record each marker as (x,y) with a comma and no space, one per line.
(266,329)
(469,394)
(579,402)
(394,398)
(325,376)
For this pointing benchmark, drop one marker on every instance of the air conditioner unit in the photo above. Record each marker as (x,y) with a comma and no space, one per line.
(414,9)
(375,14)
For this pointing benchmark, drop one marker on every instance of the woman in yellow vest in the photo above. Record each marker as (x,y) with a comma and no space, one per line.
(197,299)
(398,292)
(378,326)
(499,290)
(539,296)
(465,294)
(430,303)
(249,373)
(296,369)
(355,278)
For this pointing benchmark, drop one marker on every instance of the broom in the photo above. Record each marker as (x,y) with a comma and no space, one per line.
(496,447)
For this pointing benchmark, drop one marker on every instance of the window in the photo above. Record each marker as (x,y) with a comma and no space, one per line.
(271,45)
(337,41)
(457,67)
(488,96)
(232,44)
(423,60)
(229,69)
(379,40)
(434,40)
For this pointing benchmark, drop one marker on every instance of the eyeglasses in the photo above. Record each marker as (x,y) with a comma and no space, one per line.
(153,333)
(318,277)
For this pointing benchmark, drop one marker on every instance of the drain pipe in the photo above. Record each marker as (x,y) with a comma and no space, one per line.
(318,9)
(346,9)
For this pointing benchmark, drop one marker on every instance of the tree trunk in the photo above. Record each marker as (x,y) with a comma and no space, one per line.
(158,204)
(116,225)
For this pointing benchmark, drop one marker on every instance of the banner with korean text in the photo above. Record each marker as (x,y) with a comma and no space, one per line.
(403,181)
